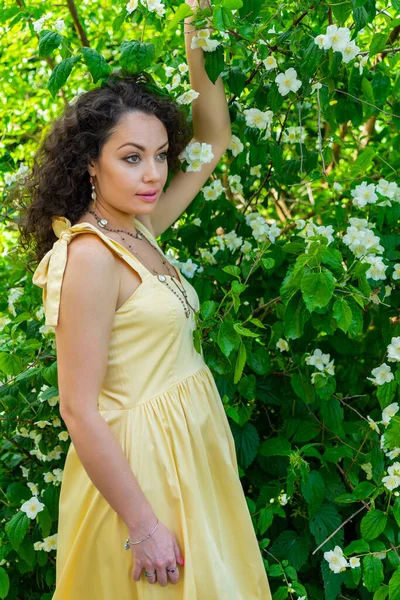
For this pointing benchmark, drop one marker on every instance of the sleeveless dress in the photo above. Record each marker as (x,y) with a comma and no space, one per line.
(161,402)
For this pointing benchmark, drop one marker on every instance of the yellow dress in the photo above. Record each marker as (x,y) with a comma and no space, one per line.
(161,402)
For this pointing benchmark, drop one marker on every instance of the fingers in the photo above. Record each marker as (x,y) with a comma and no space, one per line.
(160,573)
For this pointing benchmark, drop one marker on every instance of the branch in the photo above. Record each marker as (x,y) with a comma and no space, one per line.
(77,24)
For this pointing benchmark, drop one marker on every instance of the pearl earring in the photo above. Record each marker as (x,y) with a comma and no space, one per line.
(94,195)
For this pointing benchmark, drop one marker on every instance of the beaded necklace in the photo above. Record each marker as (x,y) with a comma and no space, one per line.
(103,224)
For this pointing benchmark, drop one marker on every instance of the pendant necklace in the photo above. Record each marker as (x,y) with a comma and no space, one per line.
(139,235)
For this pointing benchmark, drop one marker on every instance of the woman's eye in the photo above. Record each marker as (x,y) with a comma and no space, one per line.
(137,155)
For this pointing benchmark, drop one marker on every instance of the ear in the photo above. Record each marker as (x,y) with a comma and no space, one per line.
(91,168)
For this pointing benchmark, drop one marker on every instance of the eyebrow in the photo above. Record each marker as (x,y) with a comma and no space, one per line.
(141,147)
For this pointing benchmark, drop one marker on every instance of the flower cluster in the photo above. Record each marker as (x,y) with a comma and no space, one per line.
(261,229)
(292,135)
(38,25)
(203,40)
(365,193)
(321,362)
(259,119)
(338,38)
(214,190)
(309,230)
(383,373)
(338,562)
(17,176)
(48,543)
(152,5)
(365,245)
(392,481)
(196,154)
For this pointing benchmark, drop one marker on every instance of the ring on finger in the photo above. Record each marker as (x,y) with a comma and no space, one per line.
(172,570)
(149,574)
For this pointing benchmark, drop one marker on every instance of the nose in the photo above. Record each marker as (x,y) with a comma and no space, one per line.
(153,171)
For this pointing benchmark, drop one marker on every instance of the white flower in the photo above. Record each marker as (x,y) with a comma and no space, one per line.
(232,241)
(396,271)
(59,25)
(282,345)
(294,134)
(354,562)
(389,412)
(393,349)
(350,51)
(373,425)
(168,70)
(382,375)
(33,487)
(377,268)
(42,424)
(50,543)
(48,477)
(288,82)
(270,62)
(256,171)
(32,507)
(318,359)
(337,562)
(63,436)
(257,118)
(394,469)
(283,499)
(391,481)
(187,97)
(337,187)
(25,471)
(235,183)
(300,223)
(38,25)
(236,145)
(364,194)
(336,38)
(362,63)
(183,68)
(392,454)
(314,87)
(387,189)
(188,268)
(320,40)
(154,6)
(202,40)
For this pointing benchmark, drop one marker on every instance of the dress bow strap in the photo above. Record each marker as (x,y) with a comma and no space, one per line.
(50,271)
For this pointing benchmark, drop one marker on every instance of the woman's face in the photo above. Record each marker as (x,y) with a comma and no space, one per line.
(122,170)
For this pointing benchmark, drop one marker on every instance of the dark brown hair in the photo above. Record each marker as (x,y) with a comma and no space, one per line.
(58,183)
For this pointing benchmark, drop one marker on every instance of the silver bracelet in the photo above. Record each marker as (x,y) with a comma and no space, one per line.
(129,543)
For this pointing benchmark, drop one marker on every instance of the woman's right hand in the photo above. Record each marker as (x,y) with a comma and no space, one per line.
(155,554)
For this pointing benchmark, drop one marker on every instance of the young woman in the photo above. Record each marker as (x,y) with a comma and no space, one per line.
(152,456)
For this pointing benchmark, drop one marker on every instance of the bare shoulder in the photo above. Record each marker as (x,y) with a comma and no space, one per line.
(91,272)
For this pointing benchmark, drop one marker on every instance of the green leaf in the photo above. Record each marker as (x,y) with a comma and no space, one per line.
(223,18)
(373,524)
(317,289)
(392,433)
(240,362)
(61,73)
(332,415)
(356,547)
(342,313)
(363,161)
(183,11)
(96,63)
(214,63)
(4,583)
(394,585)
(236,80)
(302,387)
(324,522)
(17,493)
(259,360)
(292,547)
(386,393)
(48,41)
(363,490)
(396,510)
(244,331)
(17,528)
(136,56)
(208,309)
(265,520)
(278,446)
(227,338)
(295,317)
(378,43)
(247,441)
(372,572)
(381,593)
(313,491)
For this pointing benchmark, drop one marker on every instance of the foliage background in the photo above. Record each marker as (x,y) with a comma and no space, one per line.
(303,441)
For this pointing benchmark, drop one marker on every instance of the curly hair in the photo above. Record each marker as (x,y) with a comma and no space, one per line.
(58,183)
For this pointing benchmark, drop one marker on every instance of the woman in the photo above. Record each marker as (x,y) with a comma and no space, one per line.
(152,455)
